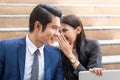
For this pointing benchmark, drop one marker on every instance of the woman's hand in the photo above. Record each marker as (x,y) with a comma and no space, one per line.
(97,71)
(66,46)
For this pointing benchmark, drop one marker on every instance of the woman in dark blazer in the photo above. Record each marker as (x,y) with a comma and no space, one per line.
(79,53)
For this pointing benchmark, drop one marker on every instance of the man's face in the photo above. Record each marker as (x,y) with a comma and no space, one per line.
(49,34)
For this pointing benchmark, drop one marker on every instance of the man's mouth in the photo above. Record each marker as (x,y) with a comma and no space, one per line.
(53,39)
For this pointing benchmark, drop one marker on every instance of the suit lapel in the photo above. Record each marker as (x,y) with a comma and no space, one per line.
(21,57)
(47,62)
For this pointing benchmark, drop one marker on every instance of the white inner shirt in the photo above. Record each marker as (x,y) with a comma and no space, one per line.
(30,49)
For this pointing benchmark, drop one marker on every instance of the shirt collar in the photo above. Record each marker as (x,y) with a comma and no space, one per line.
(32,48)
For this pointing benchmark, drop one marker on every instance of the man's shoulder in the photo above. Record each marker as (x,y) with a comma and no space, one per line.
(12,41)
(52,49)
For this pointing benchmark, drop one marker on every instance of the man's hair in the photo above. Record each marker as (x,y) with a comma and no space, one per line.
(42,13)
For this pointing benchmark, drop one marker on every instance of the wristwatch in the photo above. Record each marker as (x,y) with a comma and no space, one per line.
(73,60)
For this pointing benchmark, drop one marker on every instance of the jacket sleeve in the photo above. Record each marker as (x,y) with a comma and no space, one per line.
(79,68)
(94,58)
(1,60)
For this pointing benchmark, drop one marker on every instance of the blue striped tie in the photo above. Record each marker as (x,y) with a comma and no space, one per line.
(35,66)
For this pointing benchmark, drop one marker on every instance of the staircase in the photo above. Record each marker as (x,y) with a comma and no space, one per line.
(101,20)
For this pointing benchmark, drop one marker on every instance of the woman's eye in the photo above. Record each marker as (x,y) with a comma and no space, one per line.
(64,30)
(60,31)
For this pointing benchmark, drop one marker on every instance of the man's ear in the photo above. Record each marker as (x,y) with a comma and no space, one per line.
(38,26)
(78,30)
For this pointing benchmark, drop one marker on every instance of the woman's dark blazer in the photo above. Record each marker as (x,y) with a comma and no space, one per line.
(90,57)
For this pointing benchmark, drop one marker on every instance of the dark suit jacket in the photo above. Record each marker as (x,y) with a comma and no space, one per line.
(12,60)
(89,57)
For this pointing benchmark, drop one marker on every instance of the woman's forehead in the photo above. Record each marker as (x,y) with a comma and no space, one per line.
(65,26)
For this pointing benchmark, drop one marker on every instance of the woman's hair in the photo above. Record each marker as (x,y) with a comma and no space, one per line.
(74,21)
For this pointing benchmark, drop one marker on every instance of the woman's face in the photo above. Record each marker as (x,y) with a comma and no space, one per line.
(69,32)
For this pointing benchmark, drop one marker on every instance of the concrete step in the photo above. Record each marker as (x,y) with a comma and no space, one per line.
(6,35)
(112,59)
(112,66)
(22,9)
(15,9)
(14,20)
(103,34)
(63,2)
(110,47)
(99,33)
(111,62)
(88,20)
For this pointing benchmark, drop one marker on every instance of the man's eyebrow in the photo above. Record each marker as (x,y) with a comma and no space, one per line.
(55,25)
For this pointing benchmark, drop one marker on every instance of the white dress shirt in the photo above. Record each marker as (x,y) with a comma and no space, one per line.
(30,49)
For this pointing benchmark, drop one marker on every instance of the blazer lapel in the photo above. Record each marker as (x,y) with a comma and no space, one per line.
(21,57)
(47,61)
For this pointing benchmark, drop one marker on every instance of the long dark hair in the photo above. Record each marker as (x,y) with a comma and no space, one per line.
(74,21)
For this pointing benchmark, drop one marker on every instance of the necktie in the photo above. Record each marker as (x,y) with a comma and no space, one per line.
(35,66)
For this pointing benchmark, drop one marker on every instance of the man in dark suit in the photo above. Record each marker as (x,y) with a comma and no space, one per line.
(18,55)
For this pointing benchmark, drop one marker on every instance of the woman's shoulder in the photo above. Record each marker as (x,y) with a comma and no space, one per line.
(91,45)
(91,42)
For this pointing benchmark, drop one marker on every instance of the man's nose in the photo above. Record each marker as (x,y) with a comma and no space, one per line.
(57,33)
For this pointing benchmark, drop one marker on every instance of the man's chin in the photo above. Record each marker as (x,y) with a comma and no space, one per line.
(50,43)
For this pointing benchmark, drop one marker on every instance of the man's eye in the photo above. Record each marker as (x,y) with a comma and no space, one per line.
(55,28)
